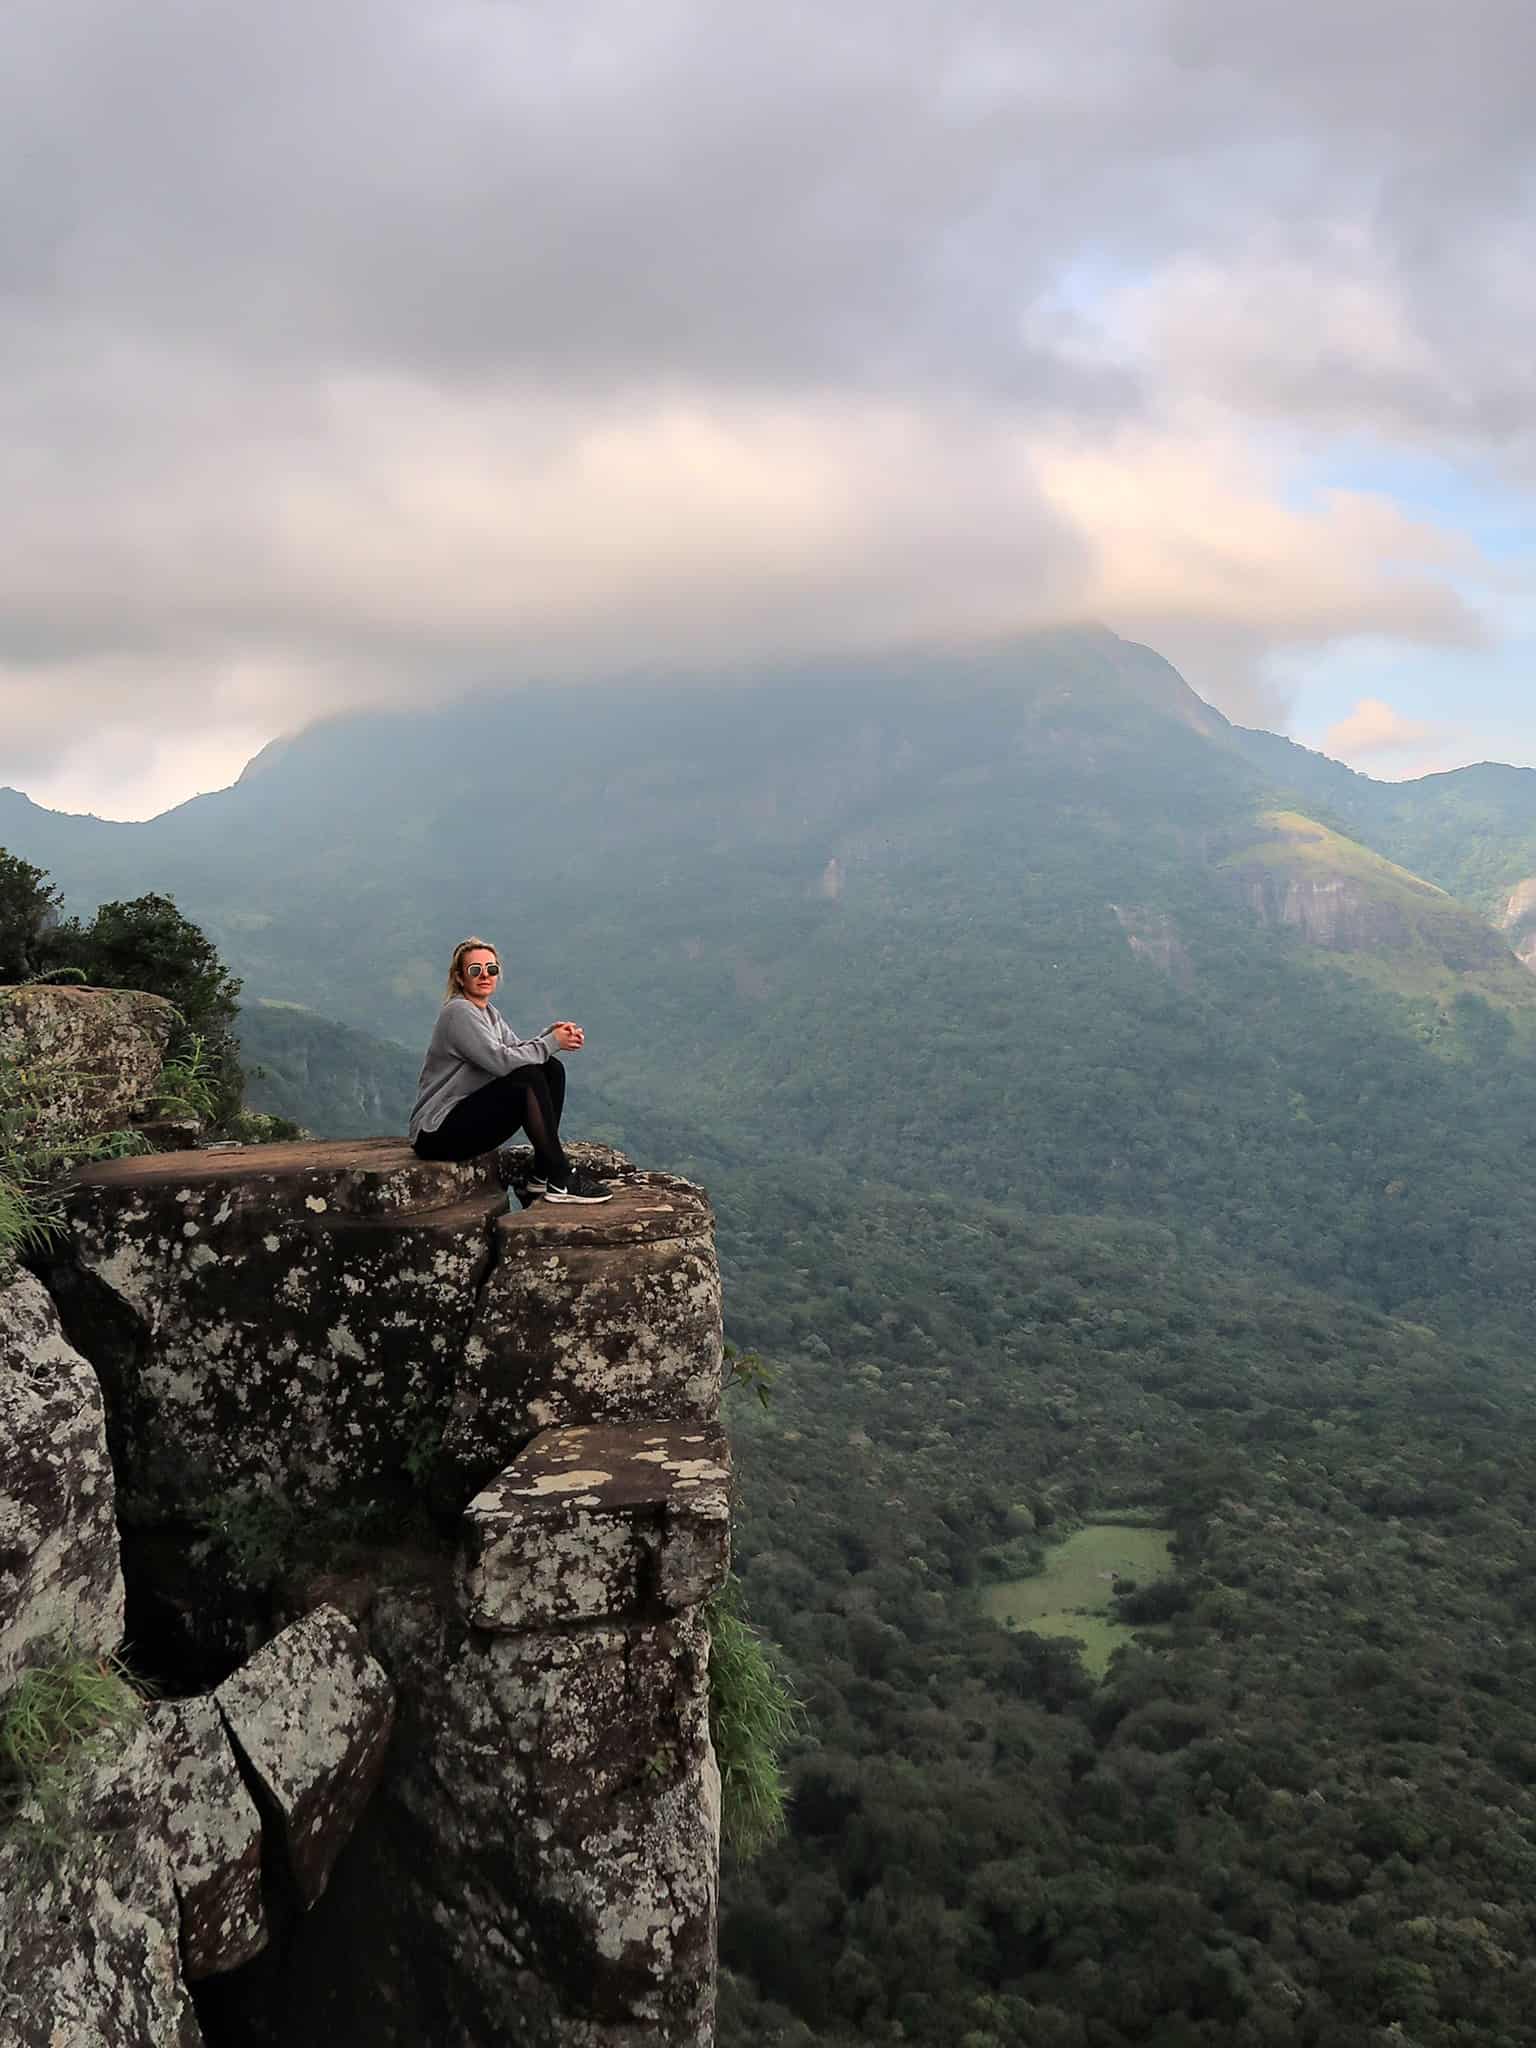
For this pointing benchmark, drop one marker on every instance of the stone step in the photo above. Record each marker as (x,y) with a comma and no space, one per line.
(647,1208)
(599,1522)
(588,1315)
(343,1176)
(309,1317)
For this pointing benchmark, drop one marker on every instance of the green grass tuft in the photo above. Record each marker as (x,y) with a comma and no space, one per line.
(753,1716)
(55,1721)
(39,1143)
(189,1082)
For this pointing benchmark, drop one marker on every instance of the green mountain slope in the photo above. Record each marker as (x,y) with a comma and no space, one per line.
(1399,931)
(1472,830)
(331,1078)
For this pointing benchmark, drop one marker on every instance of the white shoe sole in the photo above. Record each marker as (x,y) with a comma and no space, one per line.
(563,1195)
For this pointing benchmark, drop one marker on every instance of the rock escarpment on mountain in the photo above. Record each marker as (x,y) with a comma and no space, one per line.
(1338,896)
(421,1500)
(1518,920)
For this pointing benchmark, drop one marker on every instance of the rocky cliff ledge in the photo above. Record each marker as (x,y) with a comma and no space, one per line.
(420,1501)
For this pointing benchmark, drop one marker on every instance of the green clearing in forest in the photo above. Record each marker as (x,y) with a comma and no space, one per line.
(1071,1596)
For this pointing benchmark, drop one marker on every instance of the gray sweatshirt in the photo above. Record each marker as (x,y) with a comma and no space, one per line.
(469,1047)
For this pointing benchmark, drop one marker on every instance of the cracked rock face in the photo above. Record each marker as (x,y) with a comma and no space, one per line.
(287,1317)
(214,1834)
(565,1794)
(97,1051)
(603,1522)
(88,1935)
(609,1314)
(539,1862)
(312,1714)
(60,1577)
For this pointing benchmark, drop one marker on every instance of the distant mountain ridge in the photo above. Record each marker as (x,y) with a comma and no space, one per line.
(447,809)
(1471,830)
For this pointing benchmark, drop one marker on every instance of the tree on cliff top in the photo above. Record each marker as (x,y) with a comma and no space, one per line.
(148,944)
(143,944)
(28,906)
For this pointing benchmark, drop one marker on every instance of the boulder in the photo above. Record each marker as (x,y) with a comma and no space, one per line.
(88,1916)
(607,1314)
(214,1834)
(311,1714)
(60,1574)
(95,1053)
(601,1522)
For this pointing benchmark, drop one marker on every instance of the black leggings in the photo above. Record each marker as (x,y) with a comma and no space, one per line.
(528,1099)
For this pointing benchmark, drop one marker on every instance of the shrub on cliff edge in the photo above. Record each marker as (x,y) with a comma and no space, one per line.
(27,907)
(752,1717)
(148,944)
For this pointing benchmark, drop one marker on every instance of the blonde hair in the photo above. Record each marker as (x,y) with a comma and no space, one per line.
(456,964)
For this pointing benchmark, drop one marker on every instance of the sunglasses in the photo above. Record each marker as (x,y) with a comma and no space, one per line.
(478,969)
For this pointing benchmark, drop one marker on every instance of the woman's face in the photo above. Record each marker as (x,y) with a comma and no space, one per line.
(478,983)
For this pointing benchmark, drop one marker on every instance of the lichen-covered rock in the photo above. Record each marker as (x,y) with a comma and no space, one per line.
(60,1575)
(607,1314)
(96,1052)
(214,1834)
(600,1522)
(538,1863)
(282,1318)
(89,1954)
(562,1792)
(312,1714)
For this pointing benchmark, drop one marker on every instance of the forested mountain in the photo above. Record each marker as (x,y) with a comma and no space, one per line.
(1110,1114)
(326,1076)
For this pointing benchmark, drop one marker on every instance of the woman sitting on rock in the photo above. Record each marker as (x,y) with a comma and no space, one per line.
(480,1084)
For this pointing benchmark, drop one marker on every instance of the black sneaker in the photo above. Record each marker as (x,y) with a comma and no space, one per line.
(580,1187)
(538,1184)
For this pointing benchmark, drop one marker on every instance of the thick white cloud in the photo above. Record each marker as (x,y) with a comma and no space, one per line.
(360,353)
(1373,727)
(1387,742)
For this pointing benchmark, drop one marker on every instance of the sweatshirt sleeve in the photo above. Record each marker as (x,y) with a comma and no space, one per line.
(471,1036)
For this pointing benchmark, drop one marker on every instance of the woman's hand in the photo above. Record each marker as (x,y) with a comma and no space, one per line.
(569,1037)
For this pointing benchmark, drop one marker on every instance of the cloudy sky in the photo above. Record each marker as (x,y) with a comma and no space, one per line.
(360,352)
